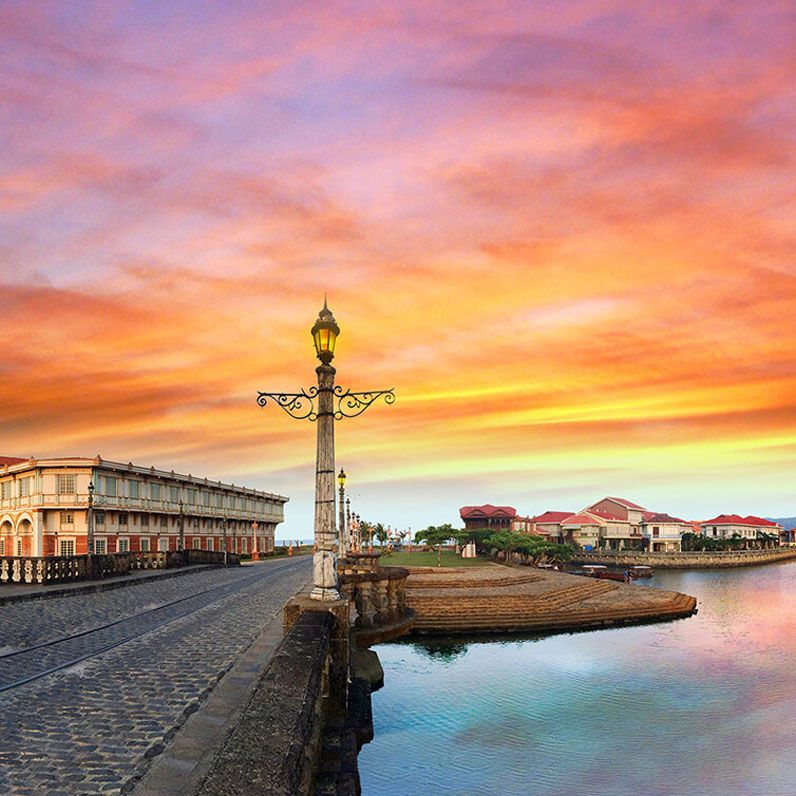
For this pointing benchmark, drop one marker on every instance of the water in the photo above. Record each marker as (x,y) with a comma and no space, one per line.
(703,706)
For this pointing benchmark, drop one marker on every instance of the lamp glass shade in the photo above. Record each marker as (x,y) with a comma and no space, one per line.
(341,477)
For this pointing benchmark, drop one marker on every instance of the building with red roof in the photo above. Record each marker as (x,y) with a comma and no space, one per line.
(664,533)
(487,517)
(750,528)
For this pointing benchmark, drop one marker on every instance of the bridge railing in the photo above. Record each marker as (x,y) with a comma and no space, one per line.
(66,569)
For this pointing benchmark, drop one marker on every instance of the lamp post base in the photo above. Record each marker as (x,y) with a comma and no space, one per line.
(326,594)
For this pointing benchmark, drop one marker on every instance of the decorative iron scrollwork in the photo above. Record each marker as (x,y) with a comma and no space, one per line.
(299,405)
(351,404)
(303,405)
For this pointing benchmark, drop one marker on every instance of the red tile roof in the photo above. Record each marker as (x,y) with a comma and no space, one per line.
(651,516)
(552,516)
(626,503)
(583,519)
(5,461)
(735,519)
(606,515)
(487,510)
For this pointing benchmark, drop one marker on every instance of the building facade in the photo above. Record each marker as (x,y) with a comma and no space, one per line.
(753,530)
(44,510)
(487,517)
(663,533)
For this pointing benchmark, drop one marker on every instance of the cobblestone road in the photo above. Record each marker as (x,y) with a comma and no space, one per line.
(93,727)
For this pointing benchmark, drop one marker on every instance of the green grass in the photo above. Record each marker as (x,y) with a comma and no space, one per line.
(418,558)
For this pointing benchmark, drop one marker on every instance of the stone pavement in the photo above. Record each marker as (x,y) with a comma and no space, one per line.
(96,726)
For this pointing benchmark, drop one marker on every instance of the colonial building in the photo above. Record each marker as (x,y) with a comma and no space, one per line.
(549,524)
(583,530)
(664,534)
(44,509)
(487,517)
(727,526)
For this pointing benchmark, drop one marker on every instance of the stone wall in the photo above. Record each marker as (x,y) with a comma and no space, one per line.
(693,560)
(276,745)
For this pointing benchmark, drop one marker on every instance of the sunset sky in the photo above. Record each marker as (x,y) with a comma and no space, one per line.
(563,232)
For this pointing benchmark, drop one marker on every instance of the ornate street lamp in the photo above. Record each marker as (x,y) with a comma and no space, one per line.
(324,404)
(90,519)
(349,535)
(342,542)
(255,553)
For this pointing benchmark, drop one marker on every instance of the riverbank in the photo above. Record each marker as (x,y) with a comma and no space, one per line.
(693,560)
(498,599)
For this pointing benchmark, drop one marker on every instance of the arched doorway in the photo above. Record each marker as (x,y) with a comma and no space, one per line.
(24,538)
(6,538)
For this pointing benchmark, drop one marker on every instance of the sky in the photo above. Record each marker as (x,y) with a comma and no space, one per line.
(564,232)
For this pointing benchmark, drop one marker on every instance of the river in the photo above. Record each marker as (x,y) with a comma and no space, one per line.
(703,706)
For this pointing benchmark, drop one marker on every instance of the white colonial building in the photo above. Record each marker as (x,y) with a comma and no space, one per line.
(44,509)
(664,534)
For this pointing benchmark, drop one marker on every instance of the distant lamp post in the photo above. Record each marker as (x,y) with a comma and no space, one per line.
(182,528)
(255,552)
(348,529)
(324,404)
(342,541)
(90,519)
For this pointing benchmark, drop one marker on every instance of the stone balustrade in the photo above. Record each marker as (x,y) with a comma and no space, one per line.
(379,597)
(66,569)
(687,560)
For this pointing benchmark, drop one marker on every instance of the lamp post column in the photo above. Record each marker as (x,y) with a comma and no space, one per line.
(348,534)
(225,541)
(342,541)
(90,519)
(324,561)
(182,528)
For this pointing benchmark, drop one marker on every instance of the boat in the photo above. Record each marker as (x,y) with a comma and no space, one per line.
(603,573)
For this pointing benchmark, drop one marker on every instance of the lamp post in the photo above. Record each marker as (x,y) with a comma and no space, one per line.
(255,554)
(323,405)
(342,541)
(182,528)
(349,535)
(225,541)
(90,519)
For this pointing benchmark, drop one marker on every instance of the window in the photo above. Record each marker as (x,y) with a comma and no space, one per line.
(195,522)
(66,485)
(244,544)
(206,498)
(656,531)
(164,545)
(154,491)
(124,545)
(174,494)
(145,545)
(109,486)
(209,545)
(145,520)
(99,517)
(24,487)
(197,543)
(133,485)
(122,518)
(2,547)
(100,546)
(67,519)
(219,501)
(5,490)
(192,496)
(164,521)
(19,547)
(66,547)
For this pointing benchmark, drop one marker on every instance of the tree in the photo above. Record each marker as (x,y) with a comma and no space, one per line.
(380,532)
(436,536)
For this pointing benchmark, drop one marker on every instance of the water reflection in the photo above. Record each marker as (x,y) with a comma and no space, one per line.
(700,706)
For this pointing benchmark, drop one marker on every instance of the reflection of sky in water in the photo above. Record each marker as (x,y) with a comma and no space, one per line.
(704,706)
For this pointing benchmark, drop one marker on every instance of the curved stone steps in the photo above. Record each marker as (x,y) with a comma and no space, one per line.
(420,582)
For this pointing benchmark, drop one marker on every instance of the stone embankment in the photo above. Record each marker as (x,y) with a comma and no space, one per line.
(694,560)
(496,599)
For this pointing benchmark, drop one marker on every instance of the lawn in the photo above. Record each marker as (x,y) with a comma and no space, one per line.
(417,558)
